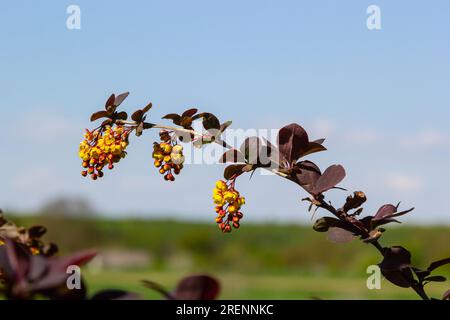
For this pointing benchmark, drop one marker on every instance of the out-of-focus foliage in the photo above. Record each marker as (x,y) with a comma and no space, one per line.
(262,248)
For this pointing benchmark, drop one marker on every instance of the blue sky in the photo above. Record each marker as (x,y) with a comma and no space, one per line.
(381,98)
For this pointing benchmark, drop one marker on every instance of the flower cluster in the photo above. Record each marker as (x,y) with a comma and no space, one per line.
(102,147)
(168,156)
(228,203)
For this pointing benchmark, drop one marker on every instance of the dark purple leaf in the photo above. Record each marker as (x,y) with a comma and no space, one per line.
(436,279)
(395,258)
(339,235)
(38,267)
(79,258)
(325,223)
(292,142)
(137,115)
(308,175)
(189,113)
(122,115)
(98,115)
(319,141)
(186,122)
(147,107)
(148,125)
(225,125)
(176,118)
(14,260)
(110,101)
(421,274)
(313,147)
(210,121)
(232,170)
(385,211)
(437,264)
(198,287)
(119,99)
(329,179)
(402,278)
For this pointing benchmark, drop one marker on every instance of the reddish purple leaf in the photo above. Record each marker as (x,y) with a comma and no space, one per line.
(137,115)
(198,287)
(319,141)
(110,101)
(147,107)
(176,118)
(232,170)
(385,211)
(313,147)
(119,99)
(329,179)
(122,116)
(292,142)
(439,263)
(402,278)
(395,258)
(189,113)
(339,235)
(98,115)
(308,175)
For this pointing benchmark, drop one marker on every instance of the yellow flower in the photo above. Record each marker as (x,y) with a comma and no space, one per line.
(221,185)
(218,200)
(229,196)
(158,155)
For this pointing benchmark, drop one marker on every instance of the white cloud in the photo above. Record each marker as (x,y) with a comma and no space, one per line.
(425,139)
(403,182)
(47,128)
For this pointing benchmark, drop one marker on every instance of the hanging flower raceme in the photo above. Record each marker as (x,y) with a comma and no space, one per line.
(168,156)
(228,204)
(103,147)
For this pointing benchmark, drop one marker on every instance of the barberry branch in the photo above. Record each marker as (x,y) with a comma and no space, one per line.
(106,145)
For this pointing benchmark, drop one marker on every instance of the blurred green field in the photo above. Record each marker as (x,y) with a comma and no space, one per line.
(263,286)
(260,261)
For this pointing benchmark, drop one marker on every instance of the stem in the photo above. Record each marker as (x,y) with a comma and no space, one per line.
(418,288)
(160,126)
(420,291)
